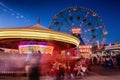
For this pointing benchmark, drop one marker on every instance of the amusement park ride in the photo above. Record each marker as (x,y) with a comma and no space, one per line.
(74,30)
(65,26)
(83,23)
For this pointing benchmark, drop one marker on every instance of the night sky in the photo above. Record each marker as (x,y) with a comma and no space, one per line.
(20,13)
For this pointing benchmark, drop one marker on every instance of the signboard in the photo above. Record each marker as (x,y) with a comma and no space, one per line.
(43,48)
(85,48)
(76,30)
(109,47)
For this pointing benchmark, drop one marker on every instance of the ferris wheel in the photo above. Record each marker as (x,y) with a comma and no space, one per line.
(82,23)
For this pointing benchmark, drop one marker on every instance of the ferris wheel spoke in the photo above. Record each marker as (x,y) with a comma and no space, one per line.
(71,18)
(103,41)
(90,26)
(65,20)
(93,41)
(95,36)
(79,16)
(84,19)
(99,37)
(86,38)
(92,29)
(61,25)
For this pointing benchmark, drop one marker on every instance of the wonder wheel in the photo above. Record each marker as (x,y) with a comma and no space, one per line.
(82,23)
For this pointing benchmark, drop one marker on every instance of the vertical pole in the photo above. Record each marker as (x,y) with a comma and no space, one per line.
(38,19)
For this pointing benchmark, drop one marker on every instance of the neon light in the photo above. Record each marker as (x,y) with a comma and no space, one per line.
(43,48)
(38,34)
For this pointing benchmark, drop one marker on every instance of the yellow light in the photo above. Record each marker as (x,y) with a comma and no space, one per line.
(38,34)
(76,30)
(44,49)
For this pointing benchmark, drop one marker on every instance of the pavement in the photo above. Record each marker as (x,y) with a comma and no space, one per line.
(96,73)
(102,73)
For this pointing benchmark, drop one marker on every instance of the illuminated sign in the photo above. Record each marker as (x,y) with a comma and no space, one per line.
(85,48)
(112,47)
(76,30)
(25,49)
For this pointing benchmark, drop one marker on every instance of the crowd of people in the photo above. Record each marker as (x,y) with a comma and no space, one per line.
(64,69)
(36,65)
(107,61)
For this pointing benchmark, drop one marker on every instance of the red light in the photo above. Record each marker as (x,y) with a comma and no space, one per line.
(75,52)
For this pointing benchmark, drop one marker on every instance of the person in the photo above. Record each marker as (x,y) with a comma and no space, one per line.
(33,65)
(118,61)
(55,68)
(94,60)
(28,64)
(61,72)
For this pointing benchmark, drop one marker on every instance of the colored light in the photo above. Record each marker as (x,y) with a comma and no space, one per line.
(38,34)
(43,48)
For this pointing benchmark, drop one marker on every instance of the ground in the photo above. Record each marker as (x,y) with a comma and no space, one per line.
(102,73)
(96,73)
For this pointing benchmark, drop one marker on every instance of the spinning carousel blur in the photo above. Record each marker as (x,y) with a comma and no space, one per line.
(16,43)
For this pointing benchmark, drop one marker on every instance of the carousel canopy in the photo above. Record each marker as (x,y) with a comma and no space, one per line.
(11,37)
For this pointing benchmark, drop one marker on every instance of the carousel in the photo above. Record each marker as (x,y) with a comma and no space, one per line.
(16,44)
(36,37)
